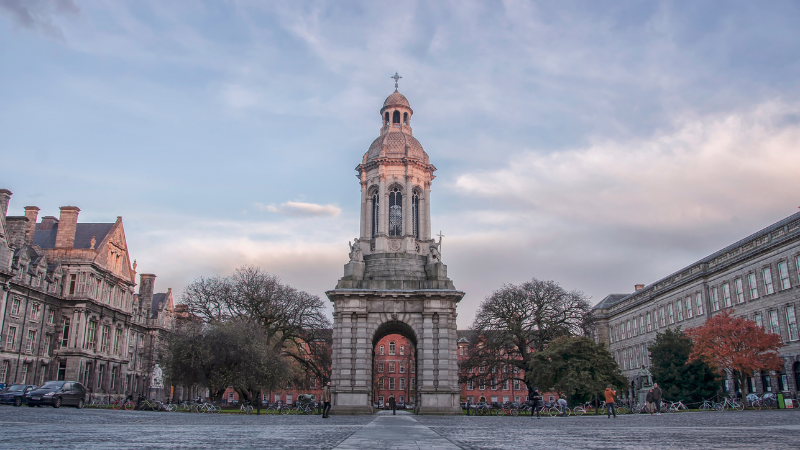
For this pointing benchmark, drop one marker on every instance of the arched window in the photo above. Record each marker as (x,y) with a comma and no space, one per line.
(415,214)
(396,117)
(386,116)
(375,213)
(395,212)
(405,118)
(391,348)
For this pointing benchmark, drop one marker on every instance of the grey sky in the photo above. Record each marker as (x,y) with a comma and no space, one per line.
(599,144)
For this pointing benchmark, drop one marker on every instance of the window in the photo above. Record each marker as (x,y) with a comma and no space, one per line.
(24,375)
(494,384)
(635,326)
(51,316)
(714,299)
(644,353)
(783,382)
(11,337)
(689,307)
(376,211)
(783,273)
(670,314)
(65,333)
(91,333)
(113,381)
(766,382)
(649,322)
(277,398)
(698,300)
(402,349)
(662,316)
(481,369)
(402,367)
(382,350)
(101,377)
(117,340)
(396,117)
(751,282)
(29,343)
(46,350)
(628,332)
(105,338)
(62,371)
(415,214)
(35,310)
(767,275)
(791,323)
(461,350)
(775,327)
(679,310)
(481,384)
(517,385)
(641,324)
(288,399)
(470,385)
(380,367)
(391,383)
(726,295)
(739,290)
(73,280)
(758,320)
(15,304)
(4,371)
(506,385)
(411,381)
(391,367)
(413,368)
(402,383)
(391,348)
(395,212)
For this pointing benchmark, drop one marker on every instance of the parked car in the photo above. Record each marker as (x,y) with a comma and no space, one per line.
(57,393)
(15,394)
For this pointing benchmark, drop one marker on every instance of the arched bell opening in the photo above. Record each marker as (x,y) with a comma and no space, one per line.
(396,117)
(394,365)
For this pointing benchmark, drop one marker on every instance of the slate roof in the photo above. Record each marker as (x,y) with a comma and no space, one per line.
(45,237)
(609,301)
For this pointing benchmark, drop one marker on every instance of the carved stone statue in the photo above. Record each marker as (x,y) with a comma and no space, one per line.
(434,248)
(157,380)
(355,251)
(645,378)
(92,243)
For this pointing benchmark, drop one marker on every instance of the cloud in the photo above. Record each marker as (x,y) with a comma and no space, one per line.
(39,14)
(301,209)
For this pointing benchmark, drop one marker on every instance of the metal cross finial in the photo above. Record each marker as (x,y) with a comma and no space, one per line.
(440,240)
(395,77)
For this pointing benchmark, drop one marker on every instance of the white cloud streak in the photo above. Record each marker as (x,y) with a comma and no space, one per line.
(301,209)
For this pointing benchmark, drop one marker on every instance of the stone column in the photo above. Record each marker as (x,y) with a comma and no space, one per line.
(383,205)
(426,232)
(369,218)
(408,229)
(363,233)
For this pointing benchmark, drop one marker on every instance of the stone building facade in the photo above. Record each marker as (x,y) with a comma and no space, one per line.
(68,306)
(395,282)
(757,277)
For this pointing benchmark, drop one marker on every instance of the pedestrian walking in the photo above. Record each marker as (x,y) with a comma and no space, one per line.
(535,398)
(563,405)
(393,405)
(610,394)
(651,406)
(657,398)
(326,399)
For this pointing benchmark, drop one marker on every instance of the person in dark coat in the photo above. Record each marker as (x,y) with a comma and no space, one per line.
(326,399)
(393,404)
(657,398)
(651,406)
(535,399)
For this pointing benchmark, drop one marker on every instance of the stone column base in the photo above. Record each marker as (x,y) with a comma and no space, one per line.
(435,403)
(352,403)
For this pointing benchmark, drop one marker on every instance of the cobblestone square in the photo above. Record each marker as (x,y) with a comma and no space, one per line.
(48,428)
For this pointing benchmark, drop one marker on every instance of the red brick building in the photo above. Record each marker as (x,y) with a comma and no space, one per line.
(394,369)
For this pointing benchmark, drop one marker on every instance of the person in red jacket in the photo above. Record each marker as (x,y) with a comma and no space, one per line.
(610,394)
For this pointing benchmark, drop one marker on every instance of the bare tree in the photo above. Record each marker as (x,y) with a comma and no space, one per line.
(518,320)
(293,321)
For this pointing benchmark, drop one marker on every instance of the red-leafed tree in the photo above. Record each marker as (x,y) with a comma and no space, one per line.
(735,346)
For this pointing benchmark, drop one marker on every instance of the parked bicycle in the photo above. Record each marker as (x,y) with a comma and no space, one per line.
(124,403)
(245,408)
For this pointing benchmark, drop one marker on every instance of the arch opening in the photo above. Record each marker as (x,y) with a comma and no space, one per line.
(394,366)
(396,117)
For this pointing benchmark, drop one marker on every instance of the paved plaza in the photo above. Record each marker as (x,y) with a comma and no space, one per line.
(47,428)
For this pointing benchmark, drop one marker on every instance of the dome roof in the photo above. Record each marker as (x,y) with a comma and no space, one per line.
(396,144)
(396,99)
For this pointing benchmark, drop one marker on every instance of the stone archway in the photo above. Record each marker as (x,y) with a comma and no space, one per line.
(394,368)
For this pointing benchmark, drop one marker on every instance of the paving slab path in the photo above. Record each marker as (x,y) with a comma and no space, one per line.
(396,432)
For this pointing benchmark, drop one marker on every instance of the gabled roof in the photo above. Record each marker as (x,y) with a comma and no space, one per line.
(609,301)
(45,236)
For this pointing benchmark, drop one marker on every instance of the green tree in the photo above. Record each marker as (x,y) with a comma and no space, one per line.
(678,378)
(576,368)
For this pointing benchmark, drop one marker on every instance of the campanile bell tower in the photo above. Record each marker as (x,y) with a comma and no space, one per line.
(395,281)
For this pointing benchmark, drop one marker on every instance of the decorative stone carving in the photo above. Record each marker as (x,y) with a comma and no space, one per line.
(395,245)
(355,251)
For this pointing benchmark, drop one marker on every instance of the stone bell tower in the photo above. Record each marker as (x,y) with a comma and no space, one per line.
(395,281)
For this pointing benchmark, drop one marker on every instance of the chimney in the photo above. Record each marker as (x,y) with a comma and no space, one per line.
(146,283)
(48,222)
(67,223)
(5,197)
(638,287)
(31,213)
